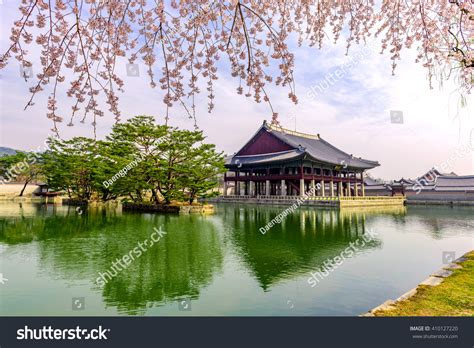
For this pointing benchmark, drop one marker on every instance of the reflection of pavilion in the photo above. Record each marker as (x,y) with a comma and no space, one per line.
(386,210)
(300,243)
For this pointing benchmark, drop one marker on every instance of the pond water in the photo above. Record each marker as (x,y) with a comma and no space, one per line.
(221,264)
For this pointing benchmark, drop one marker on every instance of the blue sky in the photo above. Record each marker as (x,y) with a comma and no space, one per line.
(353,112)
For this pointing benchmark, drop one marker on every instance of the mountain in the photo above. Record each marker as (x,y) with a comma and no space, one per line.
(6,151)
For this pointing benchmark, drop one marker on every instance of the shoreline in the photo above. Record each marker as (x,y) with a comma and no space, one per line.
(442,283)
(316,204)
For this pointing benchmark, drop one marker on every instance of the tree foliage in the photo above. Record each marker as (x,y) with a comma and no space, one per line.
(139,161)
(73,166)
(182,41)
(23,167)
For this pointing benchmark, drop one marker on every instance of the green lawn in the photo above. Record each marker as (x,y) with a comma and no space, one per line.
(453,297)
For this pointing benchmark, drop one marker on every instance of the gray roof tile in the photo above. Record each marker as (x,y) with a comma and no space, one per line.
(264,158)
(319,148)
(455,183)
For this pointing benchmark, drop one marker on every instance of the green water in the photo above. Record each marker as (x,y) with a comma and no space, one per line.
(220,264)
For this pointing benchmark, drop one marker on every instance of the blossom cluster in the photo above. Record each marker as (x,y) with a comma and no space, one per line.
(181,42)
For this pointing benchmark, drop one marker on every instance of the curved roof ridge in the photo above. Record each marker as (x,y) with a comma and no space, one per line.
(312,145)
(289,131)
(457,177)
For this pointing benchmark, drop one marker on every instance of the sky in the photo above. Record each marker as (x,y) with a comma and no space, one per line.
(363,110)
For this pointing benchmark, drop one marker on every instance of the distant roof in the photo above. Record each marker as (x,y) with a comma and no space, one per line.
(378,187)
(444,183)
(430,176)
(404,181)
(426,180)
(455,183)
(370,181)
(373,184)
(302,143)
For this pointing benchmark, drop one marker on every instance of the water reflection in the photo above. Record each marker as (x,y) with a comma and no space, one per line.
(301,242)
(74,247)
(77,247)
(437,219)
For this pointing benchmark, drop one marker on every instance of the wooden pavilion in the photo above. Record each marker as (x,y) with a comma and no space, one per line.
(280,162)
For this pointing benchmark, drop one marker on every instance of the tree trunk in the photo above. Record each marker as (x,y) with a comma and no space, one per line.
(155,196)
(24,187)
(139,196)
(192,196)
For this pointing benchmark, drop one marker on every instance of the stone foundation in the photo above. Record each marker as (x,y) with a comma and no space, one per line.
(184,209)
(318,201)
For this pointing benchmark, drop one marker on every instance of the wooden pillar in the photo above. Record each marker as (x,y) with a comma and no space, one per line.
(225,188)
(251,188)
(267,187)
(331,184)
(362,183)
(341,192)
(301,187)
(283,188)
(237,184)
(356,186)
(313,187)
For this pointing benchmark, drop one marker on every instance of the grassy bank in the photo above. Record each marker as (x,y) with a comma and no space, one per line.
(453,297)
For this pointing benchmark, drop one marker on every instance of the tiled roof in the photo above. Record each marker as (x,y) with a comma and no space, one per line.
(264,158)
(319,148)
(404,181)
(369,181)
(430,176)
(377,187)
(372,184)
(455,183)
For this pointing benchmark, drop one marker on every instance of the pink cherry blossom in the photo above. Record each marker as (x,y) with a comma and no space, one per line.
(181,41)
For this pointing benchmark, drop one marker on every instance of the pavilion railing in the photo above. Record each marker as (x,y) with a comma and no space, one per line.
(314,198)
(306,198)
(368,198)
(284,198)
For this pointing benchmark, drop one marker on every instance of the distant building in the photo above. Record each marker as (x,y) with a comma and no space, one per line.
(455,184)
(399,187)
(376,187)
(281,162)
(435,186)
(428,179)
